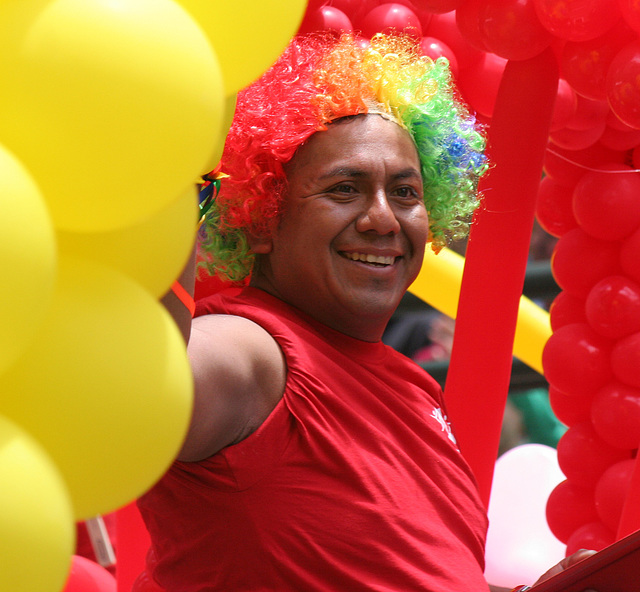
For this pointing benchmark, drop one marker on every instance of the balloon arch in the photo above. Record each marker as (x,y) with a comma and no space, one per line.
(110,111)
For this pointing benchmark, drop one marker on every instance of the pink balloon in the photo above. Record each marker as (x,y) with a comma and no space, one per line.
(434,48)
(630,256)
(593,535)
(611,492)
(391,16)
(615,414)
(606,203)
(613,307)
(568,508)
(511,29)
(577,21)
(583,456)
(87,576)
(579,261)
(623,89)
(570,409)
(554,209)
(625,360)
(576,359)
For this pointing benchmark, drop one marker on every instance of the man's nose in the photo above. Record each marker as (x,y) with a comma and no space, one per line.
(378,216)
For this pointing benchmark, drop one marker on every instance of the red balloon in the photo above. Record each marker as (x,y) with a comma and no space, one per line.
(568,508)
(630,256)
(326,18)
(441,6)
(479,85)
(87,576)
(576,359)
(585,64)
(568,166)
(554,210)
(625,360)
(594,535)
(615,415)
(623,84)
(606,203)
(613,307)
(434,48)
(630,13)
(566,309)
(579,261)
(145,583)
(577,139)
(577,21)
(468,21)
(511,29)
(388,17)
(589,114)
(569,409)
(618,139)
(444,27)
(583,456)
(611,492)
(565,107)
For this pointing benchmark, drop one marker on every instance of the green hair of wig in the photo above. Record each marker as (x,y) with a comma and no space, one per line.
(321,78)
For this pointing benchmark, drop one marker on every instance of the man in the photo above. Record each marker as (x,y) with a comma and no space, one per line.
(319,459)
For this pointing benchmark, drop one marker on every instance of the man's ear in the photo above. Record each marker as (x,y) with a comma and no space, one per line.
(260,245)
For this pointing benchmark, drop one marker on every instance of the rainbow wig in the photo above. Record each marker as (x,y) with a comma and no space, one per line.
(321,78)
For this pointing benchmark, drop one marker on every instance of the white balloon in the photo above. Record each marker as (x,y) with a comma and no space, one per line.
(520,545)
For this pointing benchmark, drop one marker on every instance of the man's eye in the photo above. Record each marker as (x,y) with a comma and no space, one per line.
(407,192)
(343,188)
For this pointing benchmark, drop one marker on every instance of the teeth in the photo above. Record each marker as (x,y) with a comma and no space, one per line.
(370,258)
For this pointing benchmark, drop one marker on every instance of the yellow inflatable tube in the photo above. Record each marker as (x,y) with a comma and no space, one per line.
(439,284)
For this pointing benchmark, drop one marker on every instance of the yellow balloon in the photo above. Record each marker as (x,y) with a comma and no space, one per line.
(114,105)
(37,528)
(152,252)
(439,284)
(28,258)
(105,387)
(248,35)
(229,111)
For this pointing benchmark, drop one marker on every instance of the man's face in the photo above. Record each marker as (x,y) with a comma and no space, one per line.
(352,235)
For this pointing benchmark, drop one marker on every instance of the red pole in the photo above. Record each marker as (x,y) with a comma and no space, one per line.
(480,368)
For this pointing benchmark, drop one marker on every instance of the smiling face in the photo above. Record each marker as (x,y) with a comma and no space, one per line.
(352,236)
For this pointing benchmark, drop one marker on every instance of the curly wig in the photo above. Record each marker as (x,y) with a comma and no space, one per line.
(321,78)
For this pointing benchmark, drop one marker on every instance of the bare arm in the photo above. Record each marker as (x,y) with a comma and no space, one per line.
(239,374)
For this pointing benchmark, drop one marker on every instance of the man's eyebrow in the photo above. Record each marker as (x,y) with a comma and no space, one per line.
(342,171)
(351,172)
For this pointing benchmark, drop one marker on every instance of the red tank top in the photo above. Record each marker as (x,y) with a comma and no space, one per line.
(353,483)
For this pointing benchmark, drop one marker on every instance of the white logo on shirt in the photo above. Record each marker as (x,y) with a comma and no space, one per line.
(445,424)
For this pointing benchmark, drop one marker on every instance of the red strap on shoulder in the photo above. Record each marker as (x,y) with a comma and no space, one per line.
(184,297)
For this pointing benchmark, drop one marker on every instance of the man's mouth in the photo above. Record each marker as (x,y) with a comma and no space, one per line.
(377,260)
